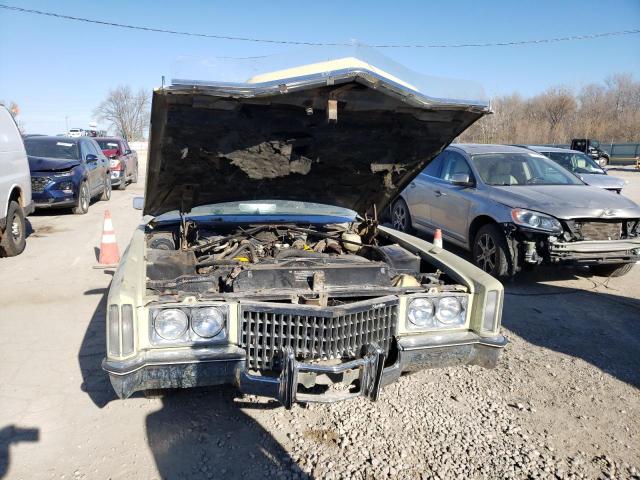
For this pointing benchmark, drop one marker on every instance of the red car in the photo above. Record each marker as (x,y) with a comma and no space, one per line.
(123,161)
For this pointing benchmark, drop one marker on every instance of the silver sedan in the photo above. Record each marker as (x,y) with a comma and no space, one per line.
(513,207)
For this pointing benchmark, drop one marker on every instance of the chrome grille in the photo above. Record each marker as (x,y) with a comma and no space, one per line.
(38,183)
(600,230)
(315,333)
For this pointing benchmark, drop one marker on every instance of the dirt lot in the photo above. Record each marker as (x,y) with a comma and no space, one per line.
(564,401)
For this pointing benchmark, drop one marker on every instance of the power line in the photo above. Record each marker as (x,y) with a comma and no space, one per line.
(590,36)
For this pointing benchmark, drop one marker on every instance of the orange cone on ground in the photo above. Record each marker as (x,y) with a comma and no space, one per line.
(437,238)
(109,254)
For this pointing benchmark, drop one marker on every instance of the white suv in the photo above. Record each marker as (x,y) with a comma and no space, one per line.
(15,187)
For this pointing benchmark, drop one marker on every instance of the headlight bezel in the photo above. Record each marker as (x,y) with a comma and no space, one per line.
(189,336)
(461,320)
(523,217)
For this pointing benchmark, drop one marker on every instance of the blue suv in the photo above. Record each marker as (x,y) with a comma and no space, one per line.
(67,172)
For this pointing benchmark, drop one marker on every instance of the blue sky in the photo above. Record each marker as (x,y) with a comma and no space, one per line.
(55,68)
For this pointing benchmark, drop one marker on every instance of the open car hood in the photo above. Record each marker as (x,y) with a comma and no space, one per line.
(340,132)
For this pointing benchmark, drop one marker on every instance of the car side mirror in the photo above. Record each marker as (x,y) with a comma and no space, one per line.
(138,203)
(128,152)
(91,158)
(461,179)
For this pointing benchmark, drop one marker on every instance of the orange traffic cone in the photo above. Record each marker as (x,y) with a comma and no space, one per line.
(109,254)
(437,238)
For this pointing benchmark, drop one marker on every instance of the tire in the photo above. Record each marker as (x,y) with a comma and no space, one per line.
(134,177)
(106,191)
(603,161)
(123,183)
(400,216)
(83,201)
(14,239)
(615,270)
(490,251)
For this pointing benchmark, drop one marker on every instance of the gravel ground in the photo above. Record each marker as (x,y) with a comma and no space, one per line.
(562,403)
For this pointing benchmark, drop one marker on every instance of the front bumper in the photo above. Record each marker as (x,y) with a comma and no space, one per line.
(157,369)
(595,252)
(53,198)
(117,177)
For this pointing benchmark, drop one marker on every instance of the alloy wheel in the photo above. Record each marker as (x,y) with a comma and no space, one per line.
(400,220)
(486,253)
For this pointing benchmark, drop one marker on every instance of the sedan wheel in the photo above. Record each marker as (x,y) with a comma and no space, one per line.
(490,251)
(401,219)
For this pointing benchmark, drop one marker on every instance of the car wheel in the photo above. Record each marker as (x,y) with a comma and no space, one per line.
(123,183)
(106,191)
(84,198)
(603,161)
(14,237)
(134,177)
(490,251)
(400,216)
(615,270)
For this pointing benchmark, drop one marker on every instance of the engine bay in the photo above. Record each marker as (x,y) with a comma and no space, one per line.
(307,264)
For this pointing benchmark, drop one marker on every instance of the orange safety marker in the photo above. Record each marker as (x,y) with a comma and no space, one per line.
(109,254)
(437,238)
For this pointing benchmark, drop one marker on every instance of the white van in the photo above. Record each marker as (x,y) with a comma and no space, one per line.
(15,187)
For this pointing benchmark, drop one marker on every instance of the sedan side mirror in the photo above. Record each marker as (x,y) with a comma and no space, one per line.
(461,179)
(138,203)
(91,158)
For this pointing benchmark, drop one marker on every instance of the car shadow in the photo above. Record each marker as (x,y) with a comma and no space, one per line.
(10,435)
(95,382)
(204,433)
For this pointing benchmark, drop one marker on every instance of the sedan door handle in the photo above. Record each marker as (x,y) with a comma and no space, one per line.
(438,193)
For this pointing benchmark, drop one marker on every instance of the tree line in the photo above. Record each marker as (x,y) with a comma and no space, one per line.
(608,111)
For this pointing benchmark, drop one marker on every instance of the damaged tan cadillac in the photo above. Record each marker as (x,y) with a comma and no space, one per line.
(260,261)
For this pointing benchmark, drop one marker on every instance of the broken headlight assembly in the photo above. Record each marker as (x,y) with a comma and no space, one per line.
(188,325)
(535,220)
(437,312)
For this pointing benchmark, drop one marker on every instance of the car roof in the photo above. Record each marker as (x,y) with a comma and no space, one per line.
(113,139)
(475,148)
(543,148)
(38,138)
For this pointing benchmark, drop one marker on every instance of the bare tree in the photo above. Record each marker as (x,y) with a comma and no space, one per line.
(609,112)
(127,113)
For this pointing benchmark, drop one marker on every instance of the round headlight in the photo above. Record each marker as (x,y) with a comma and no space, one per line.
(421,312)
(171,324)
(449,310)
(207,322)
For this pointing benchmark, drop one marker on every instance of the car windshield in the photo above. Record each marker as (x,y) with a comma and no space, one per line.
(268,208)
(518,169)
(107,144)
(52,148)
(575,162)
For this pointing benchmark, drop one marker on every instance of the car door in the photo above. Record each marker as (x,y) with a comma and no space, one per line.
(419,193)
(103,162)
(451,203)
(93,167)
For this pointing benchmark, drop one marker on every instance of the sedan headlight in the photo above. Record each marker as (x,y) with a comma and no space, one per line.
(535,220)
(184,325)
(171,324)
(421,312)
(447,311)
(207,322)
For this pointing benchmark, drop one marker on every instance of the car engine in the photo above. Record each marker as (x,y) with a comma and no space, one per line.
(311,264)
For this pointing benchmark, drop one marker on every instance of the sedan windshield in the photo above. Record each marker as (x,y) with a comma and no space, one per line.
(575,162)
(518,169)
(52,148)
(265,209)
